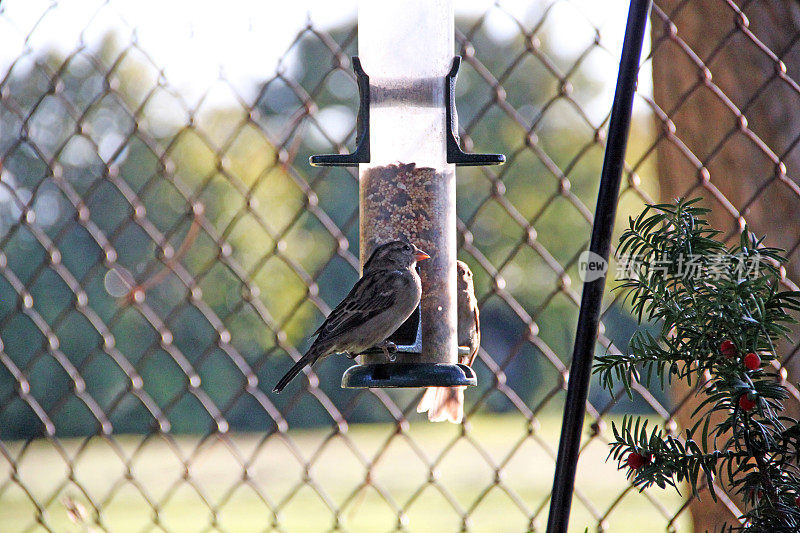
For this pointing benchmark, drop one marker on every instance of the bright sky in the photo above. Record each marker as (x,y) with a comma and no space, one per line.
(193,39)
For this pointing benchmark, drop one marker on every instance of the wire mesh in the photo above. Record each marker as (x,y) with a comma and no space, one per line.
(163,257)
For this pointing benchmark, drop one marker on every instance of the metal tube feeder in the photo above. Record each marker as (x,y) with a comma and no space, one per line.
(407,151)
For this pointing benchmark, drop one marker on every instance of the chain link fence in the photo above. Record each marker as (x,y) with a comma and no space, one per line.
(166,251)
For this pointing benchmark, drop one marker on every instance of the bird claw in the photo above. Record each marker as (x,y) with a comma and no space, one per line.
(389,350)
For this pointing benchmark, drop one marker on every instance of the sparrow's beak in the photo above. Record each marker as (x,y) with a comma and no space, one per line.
(419,255)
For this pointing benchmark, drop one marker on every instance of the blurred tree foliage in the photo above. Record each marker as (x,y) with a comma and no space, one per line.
(143,164)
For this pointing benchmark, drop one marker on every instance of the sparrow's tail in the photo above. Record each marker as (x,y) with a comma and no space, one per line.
(443,403)
(309,358)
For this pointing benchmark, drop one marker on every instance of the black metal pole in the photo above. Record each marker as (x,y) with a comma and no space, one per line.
(592,298)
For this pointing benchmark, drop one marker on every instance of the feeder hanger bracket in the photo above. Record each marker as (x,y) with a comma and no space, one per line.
(455,154)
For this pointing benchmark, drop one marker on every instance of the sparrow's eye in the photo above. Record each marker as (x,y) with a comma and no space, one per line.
(406,247)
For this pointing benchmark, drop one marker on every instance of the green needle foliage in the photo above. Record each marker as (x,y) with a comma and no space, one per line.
(721,313)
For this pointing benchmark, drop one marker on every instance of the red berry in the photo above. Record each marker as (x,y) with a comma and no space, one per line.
(752,361)
(637,460)
(727,348)
(746,402)
(797,501)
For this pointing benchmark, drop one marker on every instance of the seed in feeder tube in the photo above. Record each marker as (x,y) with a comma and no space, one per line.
(403,201)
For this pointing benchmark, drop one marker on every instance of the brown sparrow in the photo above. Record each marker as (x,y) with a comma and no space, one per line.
(447,403)
(384,297)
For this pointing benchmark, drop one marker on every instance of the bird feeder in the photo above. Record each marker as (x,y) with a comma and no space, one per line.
(407,151)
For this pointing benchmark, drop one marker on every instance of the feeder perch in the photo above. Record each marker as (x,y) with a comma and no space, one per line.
(406,152)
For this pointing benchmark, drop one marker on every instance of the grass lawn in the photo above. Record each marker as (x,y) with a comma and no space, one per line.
(128,477)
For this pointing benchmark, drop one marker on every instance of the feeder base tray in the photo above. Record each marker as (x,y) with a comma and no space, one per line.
(393,375)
